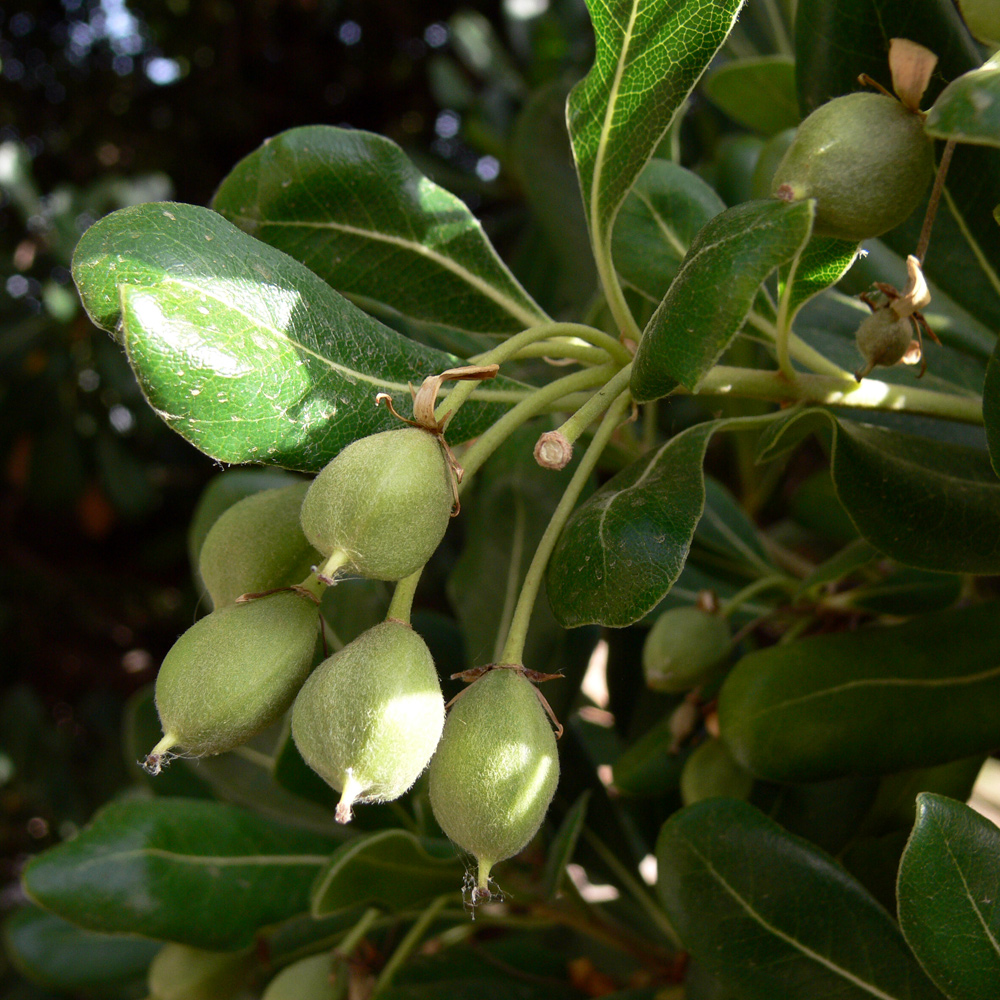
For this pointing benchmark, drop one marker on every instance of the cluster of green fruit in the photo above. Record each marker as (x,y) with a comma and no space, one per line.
(369,718)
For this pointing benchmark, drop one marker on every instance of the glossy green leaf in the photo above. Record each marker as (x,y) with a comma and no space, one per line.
(873,701)
(241,349)
(649,55)
(757,93)
(352,207)
(834,42)
(726,538)
(391,869)
(769,915)
(714,291)
(908,592)
(140,864)
(968,109)
(560,852)
(660,218)
(991,407)
(58,955)
(949,897)
(900,489)
(622,550)
(822,263)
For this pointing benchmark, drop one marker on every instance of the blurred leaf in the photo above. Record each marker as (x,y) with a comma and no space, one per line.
(56,954)
(757,93)
(991,407)
(908,592)
(140,863)
(312,978)
(900,489)
(710,771)
(180,972)
(968,109)
(770,915)
(391,869)
(650,766)
(241,349)
(658,221)
(852,557)
(649,56)
(543,159)
(949,897)
(560,852)
(732,254)
(873,701)
(727,532)
(352,207)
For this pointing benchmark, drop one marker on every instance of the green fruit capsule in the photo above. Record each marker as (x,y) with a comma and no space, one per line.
(883,339)
(495,771)
(257,545)
(180,972)
(370,716)
(381,507)
(684,648)
(866,160)
(234,673)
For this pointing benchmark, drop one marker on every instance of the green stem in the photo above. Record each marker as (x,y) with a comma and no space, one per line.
(536,403)
(564,350)
(353,937)
(620,311)
(402,597)
(638,892)
(409,942)
(596,405)
(797,348)
(513,650)
(513,345)
(751,590)
(783,324)
(869,394)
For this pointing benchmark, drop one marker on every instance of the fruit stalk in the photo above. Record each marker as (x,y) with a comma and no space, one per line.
(513,649)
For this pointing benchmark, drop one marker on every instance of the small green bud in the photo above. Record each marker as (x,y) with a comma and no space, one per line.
(257,545)
(495,770)
(312,978)
(370,716)
(684,648)
(883,339)
(234,673)
(866,160)
(382,505)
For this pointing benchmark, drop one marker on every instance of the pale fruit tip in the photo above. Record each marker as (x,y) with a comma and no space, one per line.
(482,892)
(160,755)
(352,789)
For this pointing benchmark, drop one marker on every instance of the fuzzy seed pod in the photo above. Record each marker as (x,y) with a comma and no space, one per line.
(866,160)
(234,673)
(495,771)
(684,648)
(370,716)
(883,339)
(180,972)
(382,504)
(257,545)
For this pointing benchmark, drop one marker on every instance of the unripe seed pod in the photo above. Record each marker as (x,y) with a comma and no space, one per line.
(495,770)
(180,972)
(883,338)
(317,977)
(382,504)
(234,673)
(711,771)
(866,160)
(684,648)
(257,545)
(369,717)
